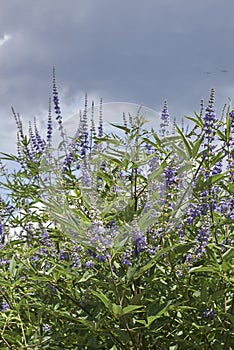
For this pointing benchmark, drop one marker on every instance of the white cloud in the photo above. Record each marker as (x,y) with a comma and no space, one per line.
(112,113)
(4,39)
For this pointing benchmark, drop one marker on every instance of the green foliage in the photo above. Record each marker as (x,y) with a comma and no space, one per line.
(119,263)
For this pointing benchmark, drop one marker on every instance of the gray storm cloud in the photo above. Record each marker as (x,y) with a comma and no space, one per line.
(140,52)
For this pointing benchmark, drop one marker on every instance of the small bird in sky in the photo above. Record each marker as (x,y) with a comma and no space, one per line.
(222,71)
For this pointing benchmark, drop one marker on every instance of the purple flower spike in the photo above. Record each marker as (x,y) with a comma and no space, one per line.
(165,118)
(210,126)
(100,127)
(2,233)
(139,238)
(56,100)
(49,126)
(5,306)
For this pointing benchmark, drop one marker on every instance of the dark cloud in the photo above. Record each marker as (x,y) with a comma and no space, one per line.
(126,50)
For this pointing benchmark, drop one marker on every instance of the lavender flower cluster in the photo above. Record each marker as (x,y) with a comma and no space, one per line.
(78,156)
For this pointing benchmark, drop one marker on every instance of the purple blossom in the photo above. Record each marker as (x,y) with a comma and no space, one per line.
(63,255)
(46,327)
(37,143)
(46,241)
(153,162)
(200,244)
(53,289)
(210,314)
(40,143)
(127,262)
(77,262)
(89,263)
(188,258)
(56,100)
(139,238)
(181,231)
(127,257)
(165,118)
(68,161)
(86,177)
(49,127)
(103,257)
(217,169)
(229,148)
(152,250)
(202,241)
(209,128)
(171,177)
(2,232)
(102,236)
(100,126)
(230,213)
(5,306)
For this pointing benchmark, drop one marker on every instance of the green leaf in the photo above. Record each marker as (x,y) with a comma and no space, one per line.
(120,240)
(117,309)
(196,146)
(113,159)
(130,308)
(9,157)
(210,269)
(103,298)
(197,121)
(153,261)
(124,128)
(186,142)
(229,254)
(86,276)
(228,126)
(184,247)
(5,283)
(12,267)
(212,180)
(221,135)
(162,309)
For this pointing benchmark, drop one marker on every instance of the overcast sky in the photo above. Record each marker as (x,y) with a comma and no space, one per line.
(135,51)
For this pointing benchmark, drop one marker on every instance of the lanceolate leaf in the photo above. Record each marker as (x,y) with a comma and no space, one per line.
(185,141)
